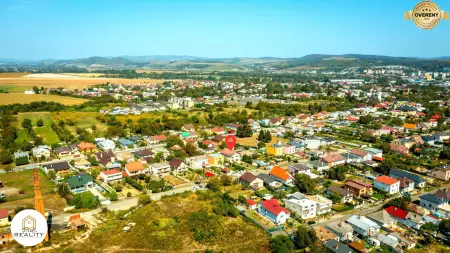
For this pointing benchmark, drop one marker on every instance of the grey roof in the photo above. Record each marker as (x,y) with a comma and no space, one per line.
(388,240)
(294,168)
(57,166)
(266,178)
(400,174)
(62,149)
(434,199)
(381,217)
(296,195)
(339,190)
(340,228)
(337,247)
(362,222)
(20,154)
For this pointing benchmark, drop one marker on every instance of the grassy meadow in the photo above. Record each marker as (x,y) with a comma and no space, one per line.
(168,225)
(45,131)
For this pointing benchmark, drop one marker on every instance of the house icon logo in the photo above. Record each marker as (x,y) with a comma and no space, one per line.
(29,227)
(29,223)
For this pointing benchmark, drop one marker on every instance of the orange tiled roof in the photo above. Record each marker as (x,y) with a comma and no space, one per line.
(280,173)
(409,126)
(134,166)
(386,180)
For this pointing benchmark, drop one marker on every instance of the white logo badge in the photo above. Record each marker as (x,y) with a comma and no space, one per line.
(29,227)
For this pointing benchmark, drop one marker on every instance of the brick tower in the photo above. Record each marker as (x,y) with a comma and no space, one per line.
(38,200)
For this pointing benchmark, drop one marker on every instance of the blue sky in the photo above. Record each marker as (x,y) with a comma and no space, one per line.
(61,29)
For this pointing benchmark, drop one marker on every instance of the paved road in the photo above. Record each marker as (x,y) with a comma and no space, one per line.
(68,159)
(121,204)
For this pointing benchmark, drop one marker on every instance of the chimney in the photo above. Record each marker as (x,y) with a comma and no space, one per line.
(337,245)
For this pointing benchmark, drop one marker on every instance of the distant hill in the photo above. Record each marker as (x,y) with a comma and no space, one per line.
(182,62)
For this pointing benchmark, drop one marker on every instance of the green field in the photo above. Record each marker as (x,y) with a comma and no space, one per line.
(14,89)
(45,131)
(23,181)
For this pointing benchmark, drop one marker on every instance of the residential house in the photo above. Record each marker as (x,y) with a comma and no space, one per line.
(251,204)
(86,147)
(297,168)
(4,217)
(160,169)
(58,167)
(134,169)
(301,205)
(281,175)
(109,176)
(387,184)
(382,218)
(105,144)
(188,127)
(216,160)
(334,246)
(270,181)
(82,164)
(105,157)
(333,160)
(272,210)
(197,162)
(63,152)
(364,156)
(145,154)
(359,188)
(441,173)
(231,155)
(411,219)
(124,142)
(438,203)
(156,139)
(406,185)
(248,179)
(177,165)
(289,149)
(323,205)
(358,247)
(79,183)
(374,152)
(312,142)
(363,226)
(317,165)
(401,149)
(345,195)
(275,149)
(41,151)
(343,230)
(419,182)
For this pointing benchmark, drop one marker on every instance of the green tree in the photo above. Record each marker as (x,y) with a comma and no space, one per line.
(244,131)
(113,196)
(281,244)
(26,123)
(144,199)
(304,183)
(305,236)
(444,226)
(40,123)
(5,157)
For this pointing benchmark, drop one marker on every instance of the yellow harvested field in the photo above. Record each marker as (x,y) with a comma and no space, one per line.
(19,98)
(71,82)
(13,74)
(253,141)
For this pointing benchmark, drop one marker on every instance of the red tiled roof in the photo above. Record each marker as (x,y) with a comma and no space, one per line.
(158,138)
(377,158)
(437,116)
(112,172)
(3,213)
(333,158)
(386,180)
(273,206)
(134,166)
(250,202)
(397,212)
(359,152)
(279,173)
(227,152)
(209,174)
